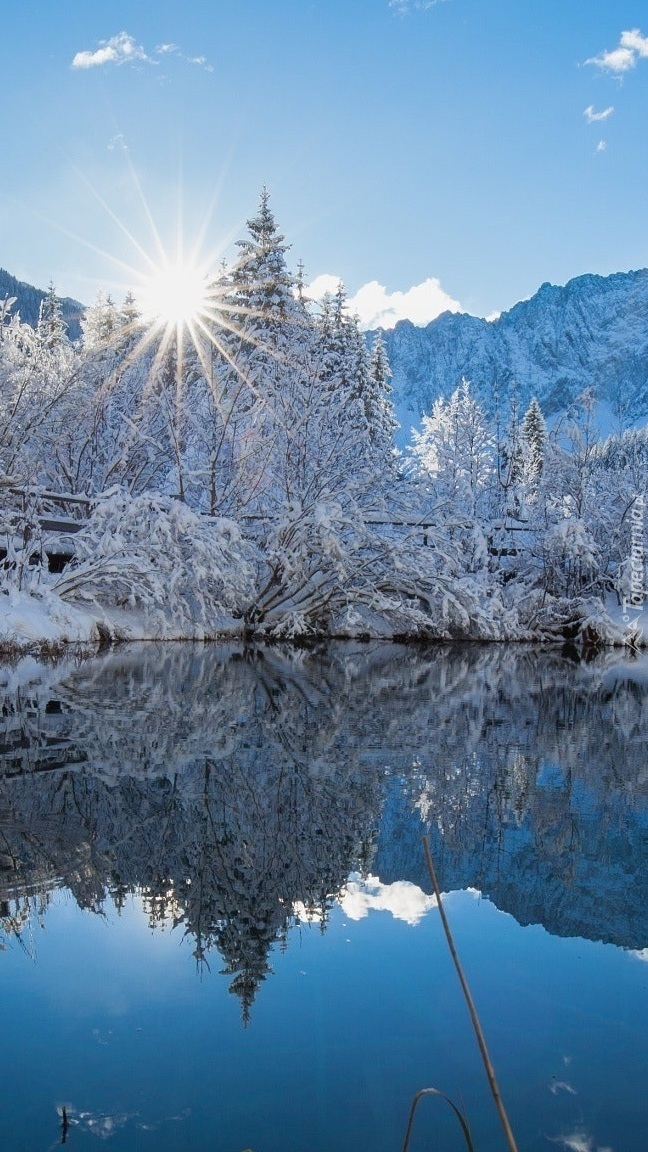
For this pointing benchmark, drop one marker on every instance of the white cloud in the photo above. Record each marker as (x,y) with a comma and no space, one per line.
(576,1142)
(377,308)
(174,50)
(601,146)
(594,117)
(120,49)
(619,60)
(403,899)
(402,7)
(318,287)
(123,49)
(632,46)
(635,41)
(562,1086)
(200,60)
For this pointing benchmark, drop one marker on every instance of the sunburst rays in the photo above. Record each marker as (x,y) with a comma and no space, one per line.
(191,317)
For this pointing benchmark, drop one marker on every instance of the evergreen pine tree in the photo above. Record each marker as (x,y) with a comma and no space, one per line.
(379,407)
(129,315)
(262,298)
(534,439)
(99,323)
(513,454)
(345,365)
(51,328)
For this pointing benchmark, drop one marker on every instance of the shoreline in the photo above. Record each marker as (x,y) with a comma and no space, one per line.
(47,625)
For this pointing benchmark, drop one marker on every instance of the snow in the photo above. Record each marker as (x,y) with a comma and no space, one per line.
(246,482)
(591,333)
(29,622)
(26,620)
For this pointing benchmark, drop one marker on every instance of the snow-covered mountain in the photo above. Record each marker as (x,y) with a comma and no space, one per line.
(591,333)
(29,300)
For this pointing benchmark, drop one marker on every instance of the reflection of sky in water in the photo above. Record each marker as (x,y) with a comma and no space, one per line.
(280,873)
(112,1018)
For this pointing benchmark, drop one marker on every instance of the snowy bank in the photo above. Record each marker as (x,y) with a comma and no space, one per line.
(43,619)
(150,568)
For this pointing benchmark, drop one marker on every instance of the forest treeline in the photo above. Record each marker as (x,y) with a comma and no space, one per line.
(242,476)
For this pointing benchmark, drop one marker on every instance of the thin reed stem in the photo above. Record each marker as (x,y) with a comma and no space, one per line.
(460,1117)
(490,1071)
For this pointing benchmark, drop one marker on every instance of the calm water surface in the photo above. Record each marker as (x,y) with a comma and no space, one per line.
(215,918)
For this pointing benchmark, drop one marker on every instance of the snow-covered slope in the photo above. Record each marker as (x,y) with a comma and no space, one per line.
(29,300)
(593,332)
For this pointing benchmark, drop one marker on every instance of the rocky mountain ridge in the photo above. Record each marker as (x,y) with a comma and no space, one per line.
(591,333)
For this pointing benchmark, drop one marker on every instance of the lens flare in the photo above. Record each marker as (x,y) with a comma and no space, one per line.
(176,294)
(179,302)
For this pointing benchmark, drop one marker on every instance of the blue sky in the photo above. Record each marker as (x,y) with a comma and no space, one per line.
(402,142)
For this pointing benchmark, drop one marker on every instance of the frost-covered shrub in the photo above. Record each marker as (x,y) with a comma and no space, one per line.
(570,557)
(154,553)
(329,570)
(21,542)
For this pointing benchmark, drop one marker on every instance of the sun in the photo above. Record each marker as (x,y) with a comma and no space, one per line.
(176,294)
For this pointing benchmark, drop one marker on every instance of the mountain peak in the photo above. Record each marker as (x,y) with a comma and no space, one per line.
(590,333)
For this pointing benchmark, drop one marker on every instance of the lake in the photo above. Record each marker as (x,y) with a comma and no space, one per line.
(215,914)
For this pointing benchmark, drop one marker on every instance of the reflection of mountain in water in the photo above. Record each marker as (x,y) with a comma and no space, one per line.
(535,792)
(229,786)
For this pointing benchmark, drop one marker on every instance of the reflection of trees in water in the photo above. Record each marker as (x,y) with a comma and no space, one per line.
(212,784)
(542,803)
(228,786)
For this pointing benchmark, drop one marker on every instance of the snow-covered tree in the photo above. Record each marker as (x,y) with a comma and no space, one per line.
(5,313)
(455,450)
(265,362)
(358,382)
(379,408)
(534,439)
(155,554)
(51,328)
(37,375)
(99,323)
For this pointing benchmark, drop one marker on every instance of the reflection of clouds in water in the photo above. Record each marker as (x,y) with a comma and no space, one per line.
(97,1124)
(579,1141)
(104,1125)
(562,1086)
(640,954)
(405,901)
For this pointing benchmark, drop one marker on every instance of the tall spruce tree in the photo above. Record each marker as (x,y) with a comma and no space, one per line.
(534,439)
(379,408)
(51,330)
(265,360)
